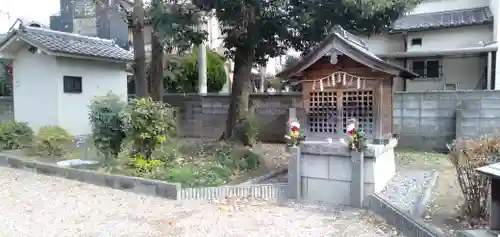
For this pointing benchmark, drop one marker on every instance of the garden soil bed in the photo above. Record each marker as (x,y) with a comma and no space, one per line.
(271,156)
(443,209)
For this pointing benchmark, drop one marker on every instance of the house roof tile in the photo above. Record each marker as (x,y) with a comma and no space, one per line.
(72,44)
(444,19)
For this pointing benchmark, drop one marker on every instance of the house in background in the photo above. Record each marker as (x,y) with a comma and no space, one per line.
(85,17)
(62,72)
(452,44)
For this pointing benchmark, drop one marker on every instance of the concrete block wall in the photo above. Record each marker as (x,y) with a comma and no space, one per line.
(424,120)
(428,120)
(205,116)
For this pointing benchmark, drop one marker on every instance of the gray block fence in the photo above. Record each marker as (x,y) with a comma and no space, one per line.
(424,120)
(429,120)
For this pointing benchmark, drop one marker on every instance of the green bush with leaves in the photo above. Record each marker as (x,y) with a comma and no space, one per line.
(237,159)
(107,126)
(15,135)
(52,141)
(247,130)
(148,124)
(143,165)
(182,74)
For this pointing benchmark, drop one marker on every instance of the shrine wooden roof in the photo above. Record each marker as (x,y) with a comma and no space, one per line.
(351,46)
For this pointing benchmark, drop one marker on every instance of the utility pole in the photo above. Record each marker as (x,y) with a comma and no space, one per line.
(202,64)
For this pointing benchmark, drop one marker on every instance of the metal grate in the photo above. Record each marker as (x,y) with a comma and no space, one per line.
(358,104)
(322,108)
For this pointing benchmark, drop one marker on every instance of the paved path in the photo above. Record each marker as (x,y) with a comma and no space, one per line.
(37,205)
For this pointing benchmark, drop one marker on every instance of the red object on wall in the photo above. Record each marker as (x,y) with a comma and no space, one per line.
(9,69)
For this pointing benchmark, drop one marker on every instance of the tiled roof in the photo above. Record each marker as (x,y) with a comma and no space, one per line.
(73,44)
(445,19)
(349,45)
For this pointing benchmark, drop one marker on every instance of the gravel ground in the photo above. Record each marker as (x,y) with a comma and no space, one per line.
(37,205)
(406,187)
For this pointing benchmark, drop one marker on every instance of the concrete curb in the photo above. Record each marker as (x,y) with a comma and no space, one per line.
(127,183)
(264,177)
(407,224)
(420,207)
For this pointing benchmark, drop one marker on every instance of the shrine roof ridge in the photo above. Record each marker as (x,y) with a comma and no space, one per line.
(350,45)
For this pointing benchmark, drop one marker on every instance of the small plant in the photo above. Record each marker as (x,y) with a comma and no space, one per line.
(143,165)
(238,159)
(107,127)
(294,137)
(148,124)
(357,140)
(15,135)
(248,129)
(52,141)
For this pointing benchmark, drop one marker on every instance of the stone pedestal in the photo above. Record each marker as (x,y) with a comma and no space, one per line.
(331,173)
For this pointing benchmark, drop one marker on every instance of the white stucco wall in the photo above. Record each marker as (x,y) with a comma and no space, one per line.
(495,9)
(98,78)
(384,43)
(35,91)
(447,5)
(465,71)
(463,37)
(454,38)
(39,99)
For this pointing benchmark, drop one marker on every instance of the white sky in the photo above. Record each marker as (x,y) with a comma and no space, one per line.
(34,10)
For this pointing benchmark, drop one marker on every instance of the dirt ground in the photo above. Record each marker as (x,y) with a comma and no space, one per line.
(274,157)
(444,206)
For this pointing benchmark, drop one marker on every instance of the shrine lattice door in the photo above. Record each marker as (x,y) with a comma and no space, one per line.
(329,110)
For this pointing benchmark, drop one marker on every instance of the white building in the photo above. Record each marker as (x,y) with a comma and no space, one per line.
(452,44)
(57,74)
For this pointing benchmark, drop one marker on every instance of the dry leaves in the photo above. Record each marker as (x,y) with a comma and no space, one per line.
(234,203)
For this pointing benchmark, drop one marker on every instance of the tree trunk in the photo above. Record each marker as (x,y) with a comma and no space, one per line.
(238,106)
(156,82)
(141,87)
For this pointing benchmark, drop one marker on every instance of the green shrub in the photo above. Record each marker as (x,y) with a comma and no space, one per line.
(144,166)
(183,77)
(247,130)
(52,141)
(237,159)
(194,175)
(107,127)
(148,124)
(15,135)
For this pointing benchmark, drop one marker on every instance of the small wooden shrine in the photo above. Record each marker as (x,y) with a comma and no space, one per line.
(342,79)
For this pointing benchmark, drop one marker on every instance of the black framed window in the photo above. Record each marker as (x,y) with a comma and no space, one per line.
(427,69)
(416,41)
(72,84)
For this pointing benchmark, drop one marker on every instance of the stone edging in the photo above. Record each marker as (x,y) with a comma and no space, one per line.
(404,222)
(133,184)
(264,177)
(150,187)
(421,206)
